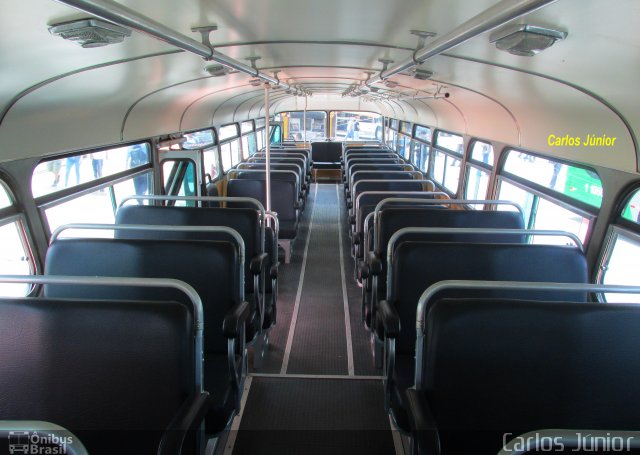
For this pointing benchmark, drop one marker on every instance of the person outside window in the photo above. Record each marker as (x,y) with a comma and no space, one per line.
(138,156)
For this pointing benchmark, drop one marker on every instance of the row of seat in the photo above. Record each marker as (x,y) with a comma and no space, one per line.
(429,393)
(290,175)
(106,341)
(461,382)
(476,371)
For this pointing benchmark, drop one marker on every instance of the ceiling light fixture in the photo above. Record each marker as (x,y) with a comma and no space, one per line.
(218,70)
(525,40)
(90,33)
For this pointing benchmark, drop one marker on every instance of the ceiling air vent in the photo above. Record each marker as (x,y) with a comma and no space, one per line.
(90,32)
(218,70)
(525,40)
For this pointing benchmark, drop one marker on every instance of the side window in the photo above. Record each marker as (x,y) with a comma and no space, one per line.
(199,139)
(58,174)
(211,165)
(260,139)
(391,139)
(478,170)
(15,254)
(225,154)
(554,195)
(619,263)
(97,197)
(404,146)
(421,148)
(447,157)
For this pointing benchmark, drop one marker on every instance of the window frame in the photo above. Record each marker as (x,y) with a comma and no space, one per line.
(480,166)
(537,194)
(13,215)
(561,198)
(423,142)
(214,134)
(224,139)
(449,154)
(614,231)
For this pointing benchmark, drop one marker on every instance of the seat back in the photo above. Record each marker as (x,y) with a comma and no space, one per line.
(245,221)
(418,264)
(212,268)
(390,186)
(392,219)
(497,367)
(93,366)
(284,195)
(326,152)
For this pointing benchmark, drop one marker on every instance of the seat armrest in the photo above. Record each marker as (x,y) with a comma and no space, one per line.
(273,271)
(234,320)
(356,238)
(374,262)
(187,419)
(389,318)
(363,271)
(423,427)
(258,263)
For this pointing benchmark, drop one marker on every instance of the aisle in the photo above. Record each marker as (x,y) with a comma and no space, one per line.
(312,396)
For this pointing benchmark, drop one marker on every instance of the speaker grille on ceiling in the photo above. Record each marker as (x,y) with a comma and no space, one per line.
(90,33)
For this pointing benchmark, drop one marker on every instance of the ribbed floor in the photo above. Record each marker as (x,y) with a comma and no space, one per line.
(314,416)
(309,415)
(319,343)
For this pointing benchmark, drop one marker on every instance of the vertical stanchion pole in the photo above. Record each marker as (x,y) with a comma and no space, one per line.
(268,148)
(304,122)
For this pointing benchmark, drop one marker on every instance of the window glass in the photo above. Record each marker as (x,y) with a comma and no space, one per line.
(245,147)
(394,124)
(391,139)
(446,170)
(228,131)
(225,154)
(449,141)
(452,174)
(550,216)
(355,125)
(14,260)
(260,122)
(578,183)
(246,127)
(477,184)
(236,152)
(198,139)
(631,210)
(482,152)
(404,146)
(139,185)
(405,127)
(94,207)
(248,145)
(439,160)
(293,124)
(622,266)
(5,199)
(420,156)
(53,175)
(211,165)
(423,133)
(260,137)
(524,199)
